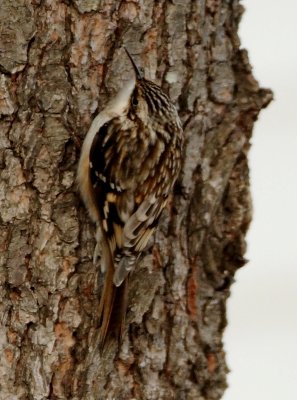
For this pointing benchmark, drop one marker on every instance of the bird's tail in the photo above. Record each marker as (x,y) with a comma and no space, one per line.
(113,303)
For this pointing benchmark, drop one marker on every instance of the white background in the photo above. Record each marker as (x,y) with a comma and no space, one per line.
(261,339)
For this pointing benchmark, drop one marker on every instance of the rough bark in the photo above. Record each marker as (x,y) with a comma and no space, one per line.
(60,61)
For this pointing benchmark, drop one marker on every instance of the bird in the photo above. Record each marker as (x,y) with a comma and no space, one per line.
(129,163)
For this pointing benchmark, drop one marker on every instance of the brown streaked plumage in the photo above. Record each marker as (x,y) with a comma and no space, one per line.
(129,163)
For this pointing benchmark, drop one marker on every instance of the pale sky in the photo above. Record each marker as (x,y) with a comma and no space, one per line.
(261,339)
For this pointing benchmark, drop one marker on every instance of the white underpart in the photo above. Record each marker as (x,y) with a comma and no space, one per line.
(115,108)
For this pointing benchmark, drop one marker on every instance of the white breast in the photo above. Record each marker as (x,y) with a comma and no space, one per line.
(114,108)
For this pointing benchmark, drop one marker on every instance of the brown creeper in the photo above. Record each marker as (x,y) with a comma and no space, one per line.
(129,163)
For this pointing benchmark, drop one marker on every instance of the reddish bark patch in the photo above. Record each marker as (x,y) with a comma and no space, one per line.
(212,362)
(9,355)
(192,289)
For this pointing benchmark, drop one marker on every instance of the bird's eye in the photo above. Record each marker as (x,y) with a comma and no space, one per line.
(134,101)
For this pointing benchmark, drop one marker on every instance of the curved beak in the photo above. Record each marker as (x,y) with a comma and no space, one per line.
(138,74)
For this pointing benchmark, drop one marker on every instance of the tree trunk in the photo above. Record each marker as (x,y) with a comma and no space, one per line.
(60,62)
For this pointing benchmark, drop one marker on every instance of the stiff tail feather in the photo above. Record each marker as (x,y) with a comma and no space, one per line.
(113,304)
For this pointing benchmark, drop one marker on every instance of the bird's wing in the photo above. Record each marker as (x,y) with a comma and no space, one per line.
(129,211)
